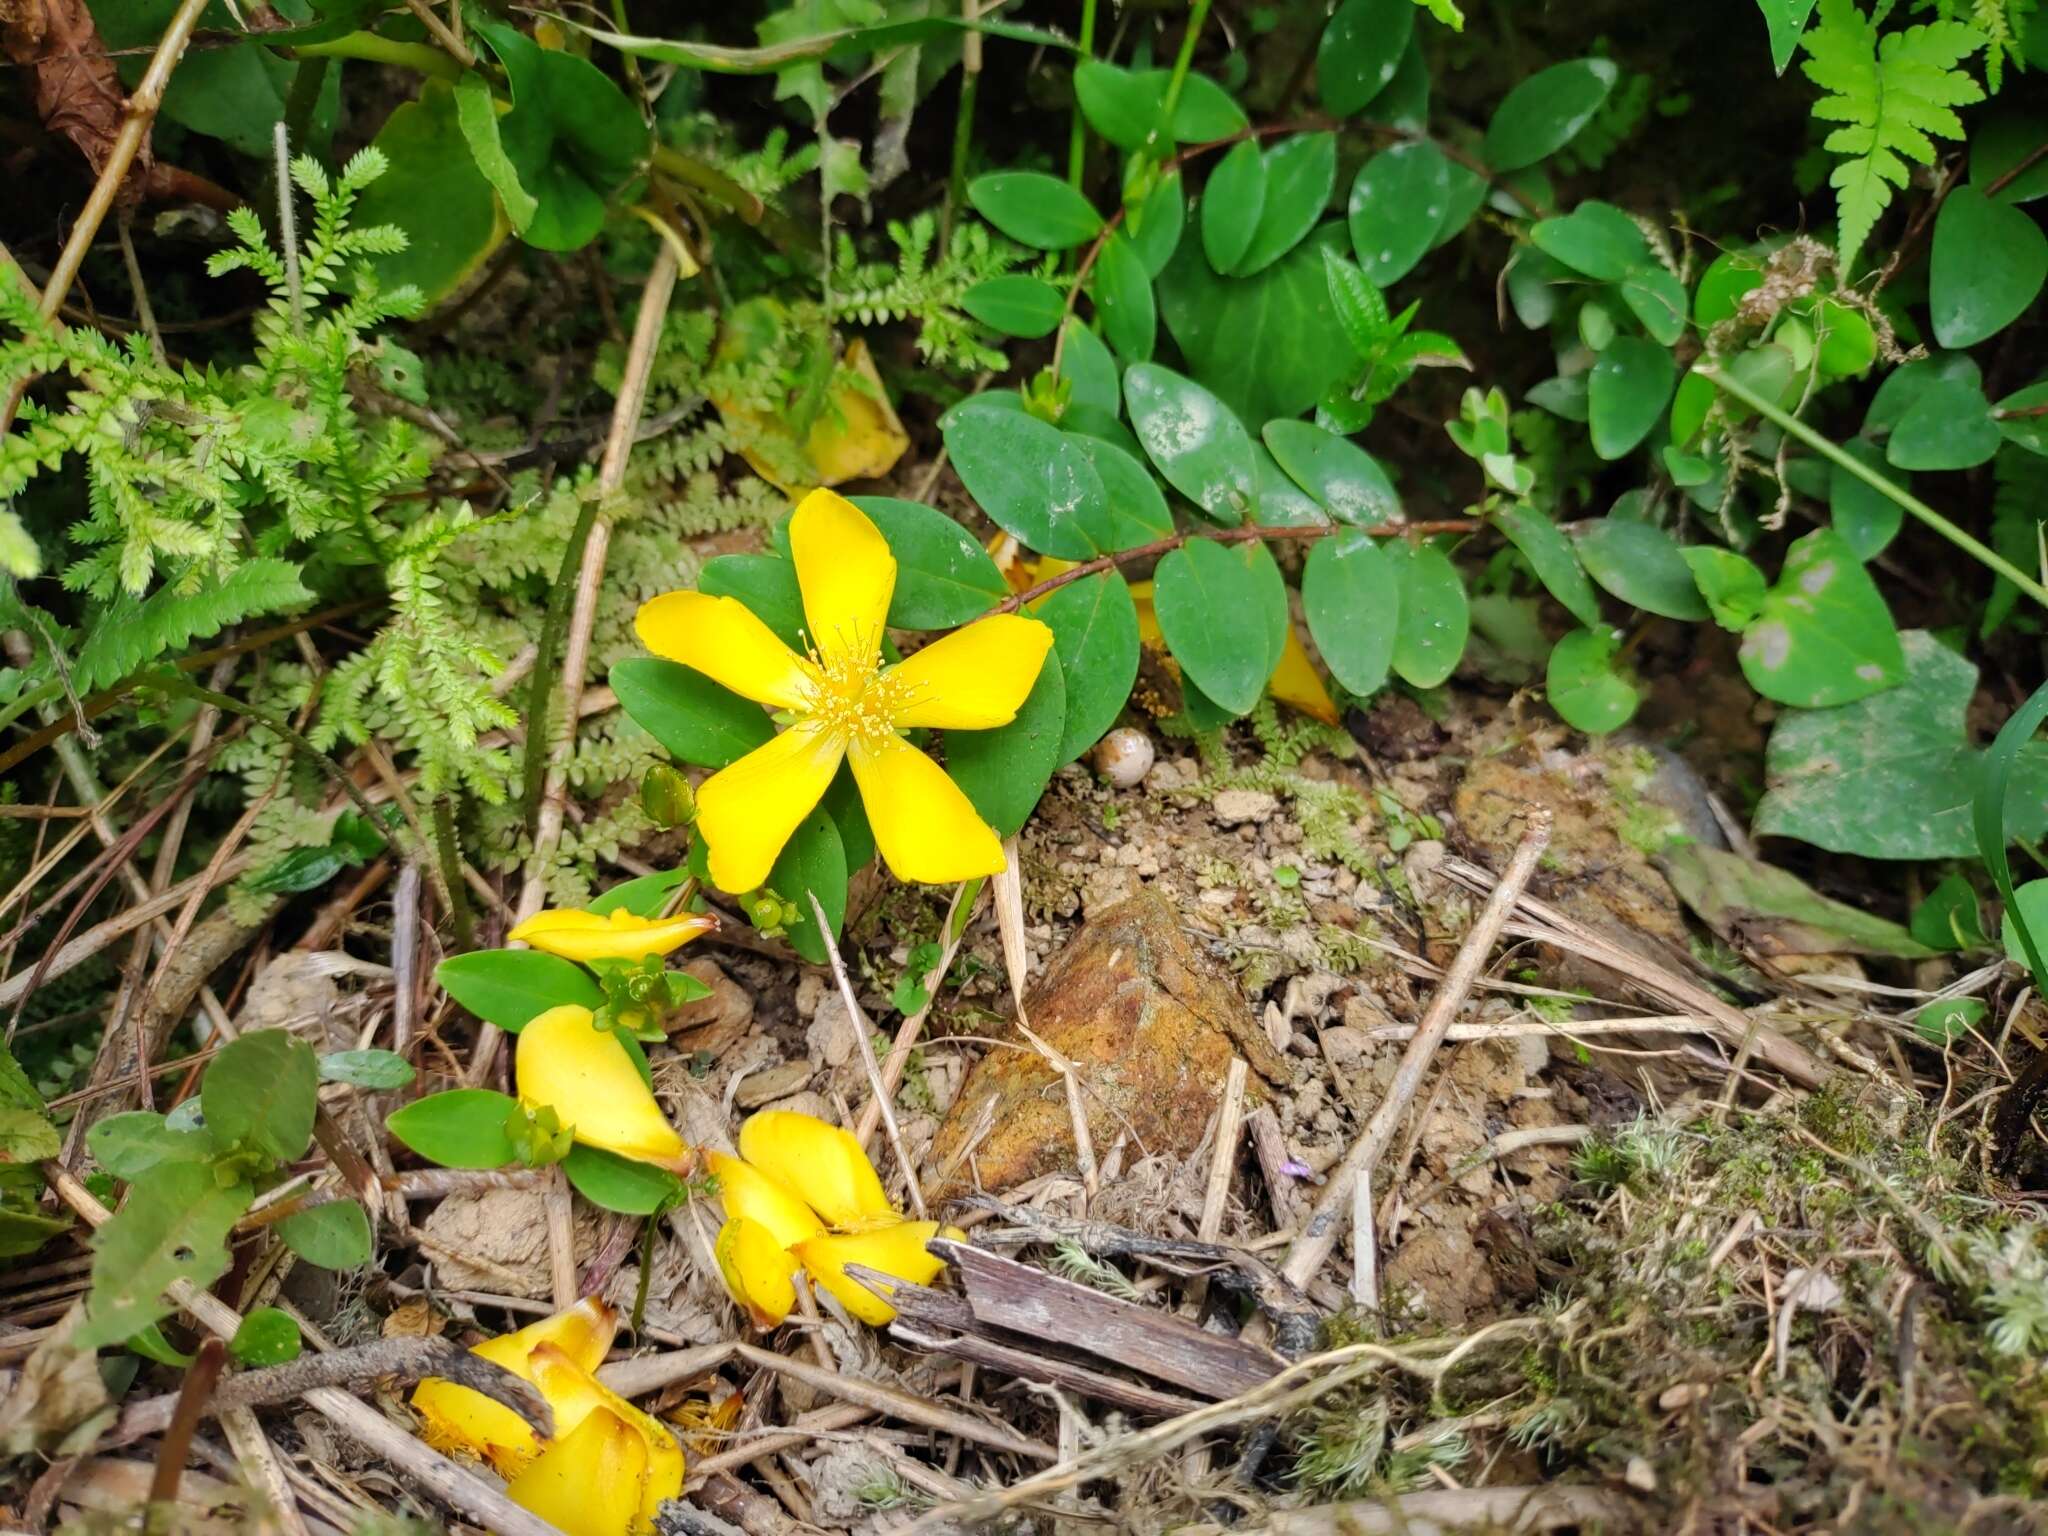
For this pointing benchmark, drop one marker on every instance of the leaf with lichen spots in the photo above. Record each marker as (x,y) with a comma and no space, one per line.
(1822,636)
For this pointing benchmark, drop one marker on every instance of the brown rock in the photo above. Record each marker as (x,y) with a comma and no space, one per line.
(1150,1024)
(772,1083)
(711,1023)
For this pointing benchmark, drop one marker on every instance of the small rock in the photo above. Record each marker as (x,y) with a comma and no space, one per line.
(833,1036)
(1346,1045)
(1241,807)
(1640,1475)
(810,991)
(1683,1395)
(497,1240)
(1279,1028)
(1168,774)
(1124,756)
(771,1083)
(711,1023)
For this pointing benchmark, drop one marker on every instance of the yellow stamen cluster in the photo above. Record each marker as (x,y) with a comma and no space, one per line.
(853,698)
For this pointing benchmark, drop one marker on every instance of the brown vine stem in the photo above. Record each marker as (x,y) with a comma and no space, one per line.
(1244,535)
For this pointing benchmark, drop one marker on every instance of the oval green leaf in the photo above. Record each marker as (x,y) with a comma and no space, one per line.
(1232,203)
(944,578)
(260,1094)
(1137,507)
(1016,305)
(1300,174)
(1985,269)
(615,1183)
(1035,209)
(1346,481)
(1005,771)
(1641,564)
(1546,111)
(1436,615)
(331,1236)
(1122,289)
(462,1128)
(694,719)
(1824,636)
(1196,441)
(1027,476)
(1351,597)
(1124,105)
(1864,516)
(1584,685)
(1627,392)
(1094,625)
(1552,558)
(1360,51)
(1397,203)
(512,987)
(1214,607)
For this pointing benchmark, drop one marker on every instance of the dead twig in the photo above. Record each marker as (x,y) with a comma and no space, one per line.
(864,1033)
(186,1410)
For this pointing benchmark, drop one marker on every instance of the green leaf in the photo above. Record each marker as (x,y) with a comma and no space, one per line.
(1864,516)
(1657,299)
(1903,387)
(1004,771)
(1949,918)
(129,1145)
(332,1236)
(1892,776)
(1986,268)
(694,719)
(1890,94)
(1786,19)
(434,192)
(1137,507)
(1397,204)
(261,1094)
(1122,290)
(1346,481)
(643,896)
(1436,615)
(784,55)
(1642,565)
(1231,205)
(1629,387)
(615,1183)
(1947,1019)
(944,578)
(1155,226)
(366,1069)
(1360,50)
(1301,172)
(1351,597)
(1948,426)
(1361,307)
(812,862)
(1585,684)
(1546,111)
(174,1226)
(512,987)
(2026,916)
(266,1337)
(168,620)
(1197,443)
(462,1128)
(303,869)
(2020,420)
(1995,824)
(1027,476)
(1777,911)
(1242,336)
(477,113)
(1729,276)
(27,1135)
(1214,604)
(1823,636)
(1088,365)
(1595,239)
(1848,341)
(1125,105)
(1282,503)
(151,1344)
(1094,626)
(1732,585)
(572,136)
(1015,305)
(1035,209)
(1551,556)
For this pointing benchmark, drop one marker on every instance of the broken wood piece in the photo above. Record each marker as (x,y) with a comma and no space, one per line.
(1006,1294)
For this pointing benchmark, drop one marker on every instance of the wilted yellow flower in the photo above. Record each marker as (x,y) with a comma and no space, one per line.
(458,1418)
(583,936)
(566,1063)
(793,1170)
(844,705)
(609,1466)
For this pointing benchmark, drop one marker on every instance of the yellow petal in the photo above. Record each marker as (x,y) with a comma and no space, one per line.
(617,935)
(824,1163)
(584,1074)
(748,810)
(721,637)
(896,1249)
(858,436)
(927,829)
(1149,633)
(759,1270)
(847,575)
(591,1482)
(974,678)
(577,1397)
(1295,681)
(746,1192)
(458,1418)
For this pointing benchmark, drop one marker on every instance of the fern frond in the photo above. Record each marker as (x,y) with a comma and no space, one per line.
(130,633)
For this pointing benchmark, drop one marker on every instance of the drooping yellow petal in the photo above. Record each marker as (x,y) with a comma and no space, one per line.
(1150,635)
(458,1418)
(721,637)
(577,1397)
(617,935)
(975,678)
(590,1482)
(747,811)
(927,829)
(847,575)
(824,1163)
(746,1192)
(1295,681)
(584,1074)
(760,1272)
(895,1249)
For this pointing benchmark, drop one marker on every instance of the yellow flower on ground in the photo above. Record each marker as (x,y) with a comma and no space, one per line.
(844,705)
(566,1063)
(796,1177)
(459,1418)
(574,934)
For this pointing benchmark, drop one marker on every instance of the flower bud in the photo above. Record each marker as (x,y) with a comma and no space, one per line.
(666,796)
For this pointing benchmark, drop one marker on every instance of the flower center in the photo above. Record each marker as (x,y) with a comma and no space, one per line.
(853,698)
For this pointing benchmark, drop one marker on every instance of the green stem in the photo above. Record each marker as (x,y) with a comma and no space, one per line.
(449,857)
(963,141)
(303,97)
(533,771)
(788,236)
(383,50)
(1077,135)
(1785,422)
(1197,14)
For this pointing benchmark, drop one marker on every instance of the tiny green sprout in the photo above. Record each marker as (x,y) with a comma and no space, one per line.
(1047,397)
(1286,876)
(538,1136)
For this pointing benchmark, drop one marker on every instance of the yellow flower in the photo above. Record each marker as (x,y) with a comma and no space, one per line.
(616,935)
(844,705)
(566,1063)
(458,1418)
(796,1176)
(609,1466)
